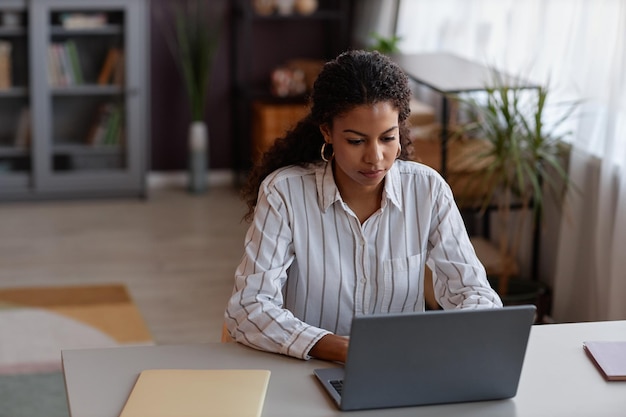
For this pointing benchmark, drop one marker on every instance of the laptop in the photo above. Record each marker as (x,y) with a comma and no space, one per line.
(432,357)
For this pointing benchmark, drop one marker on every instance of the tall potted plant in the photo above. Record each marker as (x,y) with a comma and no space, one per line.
(521,158)
(193,35)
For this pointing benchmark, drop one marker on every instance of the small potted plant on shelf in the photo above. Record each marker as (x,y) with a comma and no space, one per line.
(192,30)
(384,44)
(522,162)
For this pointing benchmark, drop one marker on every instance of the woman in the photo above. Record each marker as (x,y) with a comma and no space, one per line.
(342,224)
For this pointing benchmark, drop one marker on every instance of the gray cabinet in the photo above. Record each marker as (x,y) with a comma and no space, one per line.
(79,84)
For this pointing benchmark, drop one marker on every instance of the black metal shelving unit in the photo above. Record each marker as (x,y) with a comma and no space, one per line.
(263,42)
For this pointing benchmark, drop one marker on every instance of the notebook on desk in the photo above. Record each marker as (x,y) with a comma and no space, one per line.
(198,393)
(434,357)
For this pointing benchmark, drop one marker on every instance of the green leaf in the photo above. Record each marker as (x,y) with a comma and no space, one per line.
(193,38)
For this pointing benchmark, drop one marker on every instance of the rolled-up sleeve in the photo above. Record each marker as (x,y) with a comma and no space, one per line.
(460,278)
(255,315)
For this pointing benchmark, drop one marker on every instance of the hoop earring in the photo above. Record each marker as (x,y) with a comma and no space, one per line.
(323,153)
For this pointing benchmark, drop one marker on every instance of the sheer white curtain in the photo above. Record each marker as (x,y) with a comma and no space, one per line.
(579,46)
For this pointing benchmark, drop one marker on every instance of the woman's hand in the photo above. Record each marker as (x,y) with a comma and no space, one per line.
(331,348)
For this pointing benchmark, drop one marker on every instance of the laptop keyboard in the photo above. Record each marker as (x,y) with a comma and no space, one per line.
(337,384)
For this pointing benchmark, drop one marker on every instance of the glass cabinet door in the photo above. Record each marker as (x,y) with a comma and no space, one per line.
(85,61)
(90,74)
(15,120)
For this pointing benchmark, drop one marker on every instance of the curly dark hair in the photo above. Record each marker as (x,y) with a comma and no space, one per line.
(352,79)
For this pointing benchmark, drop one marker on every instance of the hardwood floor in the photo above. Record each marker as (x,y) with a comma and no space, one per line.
(175,252)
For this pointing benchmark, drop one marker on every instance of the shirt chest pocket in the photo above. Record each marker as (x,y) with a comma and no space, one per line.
(403,288)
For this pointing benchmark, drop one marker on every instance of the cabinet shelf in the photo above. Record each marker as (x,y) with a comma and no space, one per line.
(13,180)
(13,92)
(318,15)
(16,32)
(13,151)
(91,89)
(93,150)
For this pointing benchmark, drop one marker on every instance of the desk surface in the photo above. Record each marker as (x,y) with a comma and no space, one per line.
(448,73)
(557,379)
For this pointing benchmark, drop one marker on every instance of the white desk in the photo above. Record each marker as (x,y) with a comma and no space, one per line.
(557,379)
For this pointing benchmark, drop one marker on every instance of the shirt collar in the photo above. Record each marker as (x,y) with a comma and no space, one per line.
(328,193)
(393,188)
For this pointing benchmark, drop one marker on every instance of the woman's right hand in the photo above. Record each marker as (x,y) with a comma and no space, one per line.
(331,348)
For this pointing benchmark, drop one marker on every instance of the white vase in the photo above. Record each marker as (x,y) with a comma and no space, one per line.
(285,7)
(198,156)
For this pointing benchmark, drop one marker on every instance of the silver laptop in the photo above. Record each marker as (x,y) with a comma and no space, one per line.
(434,357)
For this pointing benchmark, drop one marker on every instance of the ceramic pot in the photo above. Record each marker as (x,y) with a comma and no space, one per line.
(306,6)
(285,7)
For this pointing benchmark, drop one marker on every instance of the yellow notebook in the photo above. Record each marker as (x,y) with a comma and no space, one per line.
(198,393)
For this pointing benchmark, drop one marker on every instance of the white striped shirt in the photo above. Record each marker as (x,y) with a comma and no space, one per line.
(309,265)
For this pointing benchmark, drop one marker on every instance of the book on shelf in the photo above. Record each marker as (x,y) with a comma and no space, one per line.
(113,127)
(609,357)
(107,126)
(119,70)
(5,64)
(23,130)
(95,130)
(198,393)
(64,64)
(113,63)
(54,78)
(71,50)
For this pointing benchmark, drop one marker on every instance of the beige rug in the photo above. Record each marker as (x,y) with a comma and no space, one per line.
(37,323)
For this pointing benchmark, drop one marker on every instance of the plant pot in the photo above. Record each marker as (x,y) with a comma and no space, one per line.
(524,291)
(520,291)
(197,164)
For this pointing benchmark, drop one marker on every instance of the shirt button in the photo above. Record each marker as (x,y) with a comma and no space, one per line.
(363,280)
